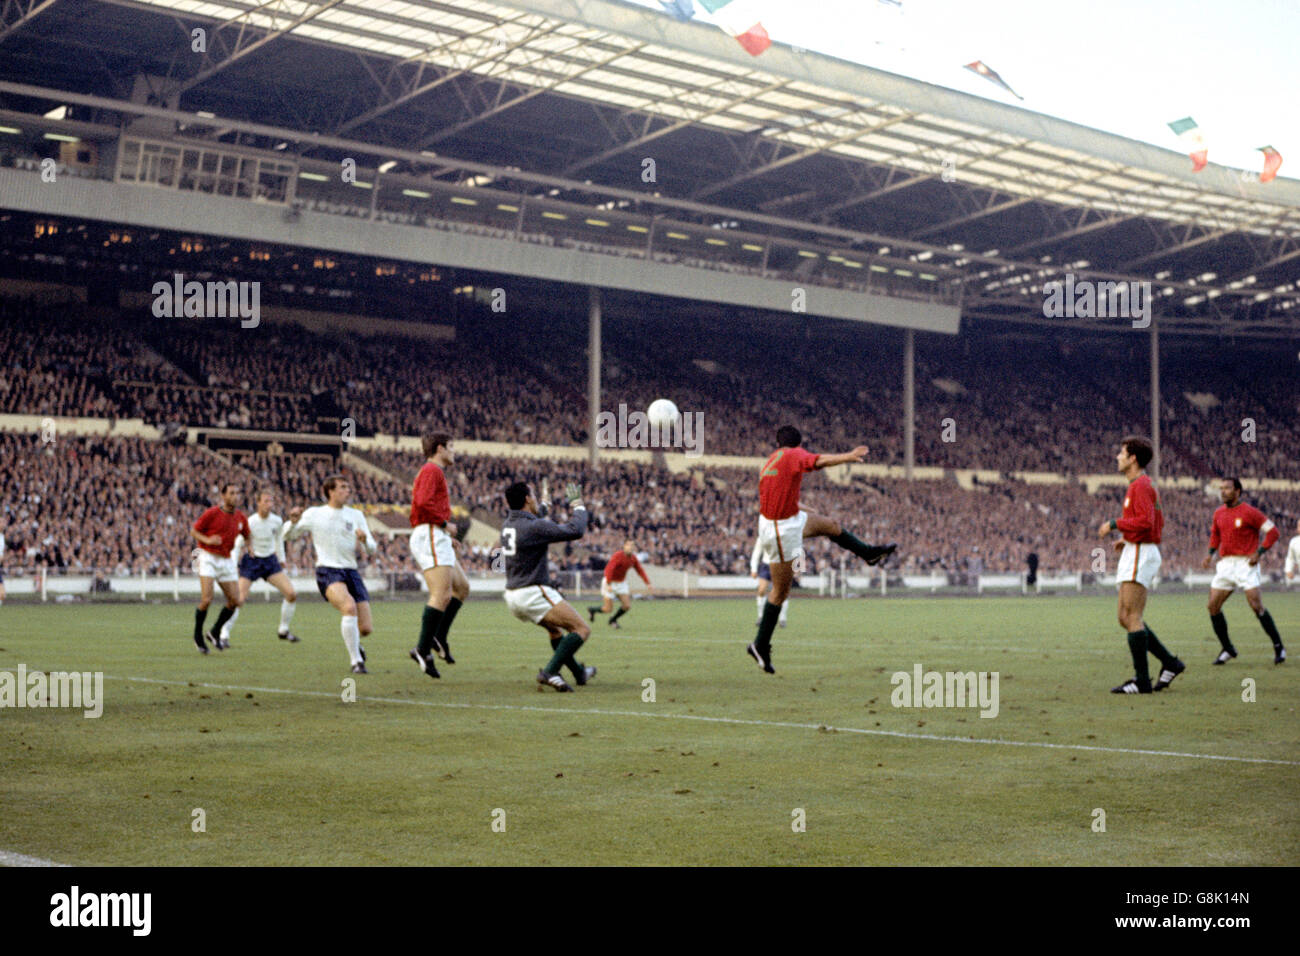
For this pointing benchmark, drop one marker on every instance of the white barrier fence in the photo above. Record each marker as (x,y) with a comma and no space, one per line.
(832,582)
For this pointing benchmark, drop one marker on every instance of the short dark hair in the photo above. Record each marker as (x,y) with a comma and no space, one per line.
(432,442)
(517,494)
(787,436)
(1140,448)
(1236,482)
(229,484)
(333,481)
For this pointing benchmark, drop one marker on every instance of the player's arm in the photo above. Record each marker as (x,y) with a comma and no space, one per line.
(365,538)
(1269,530)
(572,529)
(298,524)
(830,461)
(1144,513)
(636,563)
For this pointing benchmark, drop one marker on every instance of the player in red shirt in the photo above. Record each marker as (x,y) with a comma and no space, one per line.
(783,525)
(1141,524)
(1234,535)
(615,582)
(215,532)
(432,531)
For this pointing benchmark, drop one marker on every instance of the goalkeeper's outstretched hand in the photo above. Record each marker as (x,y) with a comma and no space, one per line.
(573,494)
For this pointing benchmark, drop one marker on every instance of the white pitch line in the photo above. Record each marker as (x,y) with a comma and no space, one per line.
(20,859)
(738,721)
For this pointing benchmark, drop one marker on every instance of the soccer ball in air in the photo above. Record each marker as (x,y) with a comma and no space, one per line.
(662,413)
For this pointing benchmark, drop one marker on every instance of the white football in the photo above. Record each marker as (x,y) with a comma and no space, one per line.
(662,413)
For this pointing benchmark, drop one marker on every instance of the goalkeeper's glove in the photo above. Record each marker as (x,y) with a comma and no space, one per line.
(573,495)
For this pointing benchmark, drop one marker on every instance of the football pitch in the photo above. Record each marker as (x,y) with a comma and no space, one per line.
(253,757)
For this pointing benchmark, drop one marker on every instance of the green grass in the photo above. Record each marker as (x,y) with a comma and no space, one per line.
(411,772)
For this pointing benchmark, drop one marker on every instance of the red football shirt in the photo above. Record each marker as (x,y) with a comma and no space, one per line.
(228,524)
(1143,519)
(778,482)
(620,564)
(1235,530)
(430,500)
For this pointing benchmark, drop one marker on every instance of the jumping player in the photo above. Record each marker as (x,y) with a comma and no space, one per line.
(614,582)
(215,532)
(264,558)
(761,571)
(434,553)
(1139,562)
(525,540)
(1234,534)
(783,526)
(336,533)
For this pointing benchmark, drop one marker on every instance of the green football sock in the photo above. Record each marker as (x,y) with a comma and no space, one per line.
(428,627)
(199,614)
(1159,650)
(1221,631)
(444,623)
(771,614)
(849,542)
(1137,645)
(617,614)
(575,665)
(1266,622)
(564,651)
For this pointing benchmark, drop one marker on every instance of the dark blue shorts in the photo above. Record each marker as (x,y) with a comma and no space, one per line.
(349,576)
(764,571)
(254,569)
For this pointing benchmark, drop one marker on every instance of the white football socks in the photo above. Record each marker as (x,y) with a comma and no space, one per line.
(225,628)
(286,615)
(352,637)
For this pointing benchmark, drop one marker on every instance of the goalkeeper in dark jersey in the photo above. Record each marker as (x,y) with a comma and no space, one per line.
(525,540)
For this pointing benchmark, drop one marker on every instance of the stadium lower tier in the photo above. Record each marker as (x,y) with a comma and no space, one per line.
(125,505)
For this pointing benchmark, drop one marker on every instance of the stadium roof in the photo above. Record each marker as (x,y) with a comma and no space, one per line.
(583,90)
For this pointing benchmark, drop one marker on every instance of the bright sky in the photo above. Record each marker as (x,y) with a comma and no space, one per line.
(1124,66)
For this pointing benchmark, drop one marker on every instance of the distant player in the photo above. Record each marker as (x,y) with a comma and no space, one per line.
(761,571)
(783,526)
(525,540)
(264,558)
(1293,556)
(1234,535)
(1139,562)
(614,582)
(434,553)
(336,533)
(215,532)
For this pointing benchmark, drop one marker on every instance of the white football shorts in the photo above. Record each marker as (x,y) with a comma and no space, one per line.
(1139,563)
(1235,572)
(212,566)
(782,540)
(610,588)
(532,603)
(431,547)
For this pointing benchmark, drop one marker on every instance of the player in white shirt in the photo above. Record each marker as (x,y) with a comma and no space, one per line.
(759,569)
(1292,557)
(264,558)
(336,532)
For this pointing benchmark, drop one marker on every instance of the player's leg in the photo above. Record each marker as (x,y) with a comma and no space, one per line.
(624,605)
(201,612)
(337,594)
(1220,623)
(1265,619)
(761,649)
(606,602)
(459,592)
(288,604)
(820,526)
(581,672)
(230,588)
(1132,602)
(438,580)
(244,586)
(574,631)
(763,585)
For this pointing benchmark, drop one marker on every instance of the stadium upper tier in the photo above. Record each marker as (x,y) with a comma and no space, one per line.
(1003,402)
